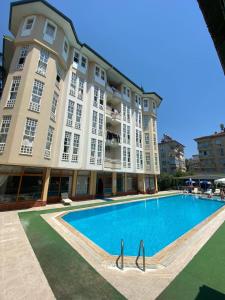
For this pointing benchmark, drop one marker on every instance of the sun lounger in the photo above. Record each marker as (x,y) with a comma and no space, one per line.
(217,192)
(65,199)
(208,192)
(196,191)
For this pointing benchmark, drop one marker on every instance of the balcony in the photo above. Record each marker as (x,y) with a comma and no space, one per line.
(113,113)
(112,139)
(111,163)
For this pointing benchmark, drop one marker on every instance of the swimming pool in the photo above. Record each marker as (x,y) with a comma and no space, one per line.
(158,222)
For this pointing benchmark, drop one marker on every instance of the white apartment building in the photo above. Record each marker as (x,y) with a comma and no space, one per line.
(70,121)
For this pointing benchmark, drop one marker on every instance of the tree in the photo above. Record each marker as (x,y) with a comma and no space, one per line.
(222,127)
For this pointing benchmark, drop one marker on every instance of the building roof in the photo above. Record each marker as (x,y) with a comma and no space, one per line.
(215,135)
(167,139)
(214,14)
(12,25)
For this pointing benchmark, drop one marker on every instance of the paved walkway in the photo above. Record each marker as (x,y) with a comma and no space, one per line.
(21,276)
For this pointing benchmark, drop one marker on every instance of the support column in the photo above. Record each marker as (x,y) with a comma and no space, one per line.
(141,183)
(45,185)
(156,184)
(114,183)
(125,182)
(74,183)
(92,188)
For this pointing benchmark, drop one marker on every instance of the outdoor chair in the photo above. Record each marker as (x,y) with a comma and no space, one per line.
(65,199)
(217,192)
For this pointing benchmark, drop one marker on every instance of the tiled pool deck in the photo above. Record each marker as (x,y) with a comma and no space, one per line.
(23,278)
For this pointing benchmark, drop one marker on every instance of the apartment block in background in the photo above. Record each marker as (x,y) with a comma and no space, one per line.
(69,120)
(171,155)
(211,151)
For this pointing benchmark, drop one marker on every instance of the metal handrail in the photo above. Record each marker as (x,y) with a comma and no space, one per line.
(121,267)
(141,247)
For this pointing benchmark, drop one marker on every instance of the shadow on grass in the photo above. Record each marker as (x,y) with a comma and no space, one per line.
(207,293)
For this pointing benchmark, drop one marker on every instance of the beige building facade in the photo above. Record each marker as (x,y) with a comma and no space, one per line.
(211,151)
(70,121)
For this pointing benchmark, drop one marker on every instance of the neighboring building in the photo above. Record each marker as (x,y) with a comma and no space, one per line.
(211,150)
(70,121)
(1,74)
(193,164)
(171,155)
(214,15)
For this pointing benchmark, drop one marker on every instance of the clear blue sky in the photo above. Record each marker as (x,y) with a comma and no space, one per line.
(163,46)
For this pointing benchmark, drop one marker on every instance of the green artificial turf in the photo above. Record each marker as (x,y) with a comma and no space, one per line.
(68,273)
(204,277)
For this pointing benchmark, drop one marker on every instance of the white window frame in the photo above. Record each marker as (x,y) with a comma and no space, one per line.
(65,53)
(23,55)
(94,122)
(46,37)
(99,154)
(76,143)
(13,91)
(48,145)
(55,99)
(43,62)
(30,129)
(80,92)
(148,159)
(100,124)
(26,32)
(66,145)
(93,151)
(70,113)
(37,92)
(147,139)
(73,84)
(5,125)
(145,104)
(78,116)
(124,157)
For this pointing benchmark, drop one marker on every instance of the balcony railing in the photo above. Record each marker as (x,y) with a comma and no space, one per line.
(113,113)
(112,138)
(112,163)
(113,91)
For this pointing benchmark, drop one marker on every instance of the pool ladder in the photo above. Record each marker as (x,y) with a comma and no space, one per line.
(121,256)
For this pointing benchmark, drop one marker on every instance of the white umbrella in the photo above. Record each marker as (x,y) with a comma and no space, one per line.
(220,181)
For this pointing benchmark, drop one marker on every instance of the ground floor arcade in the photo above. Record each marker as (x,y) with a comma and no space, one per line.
(22,187)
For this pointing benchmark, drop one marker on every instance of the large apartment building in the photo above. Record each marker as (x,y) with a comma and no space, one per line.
(171,155)
(70,121)
(211,150)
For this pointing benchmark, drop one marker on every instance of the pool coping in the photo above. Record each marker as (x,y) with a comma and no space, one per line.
(160,260)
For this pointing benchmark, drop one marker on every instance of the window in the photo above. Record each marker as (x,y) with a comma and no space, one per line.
(54,106)
(95,96)
(141,160)
(48,145)
(140,139)
(124,134)
(137,159)
(154,142)
(128,158)
(4,131)
(78,116)
(49,32)
(36,95)
(137,138)
(139,120)
(28,137)
(70,111)
(136,118)
(83,62)
(128,134)
(13,91)
(100,124)
(148,159)
(22,58)
(102,75)
(80,89)
(97,71)
(147,140)
(58,76)
(98,97)
(156,160)
(101,98)
(154,125)
(128,114)
(65,50)
(43,61)
(93,148)
(66,146)
(124,156)
(73,84)
(99,157)
(76,57)
(126,91)
(28,26)
(145,104)
(76,141)
(145,122)
(124,112)
(94,122)
(154,107)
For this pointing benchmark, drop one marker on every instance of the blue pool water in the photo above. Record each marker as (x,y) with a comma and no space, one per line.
(158,222)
